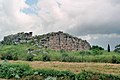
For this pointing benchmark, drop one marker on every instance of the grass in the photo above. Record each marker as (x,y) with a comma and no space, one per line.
(74,64)
(75,67)
(21,51)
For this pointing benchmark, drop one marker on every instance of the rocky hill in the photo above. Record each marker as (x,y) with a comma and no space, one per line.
(54,40)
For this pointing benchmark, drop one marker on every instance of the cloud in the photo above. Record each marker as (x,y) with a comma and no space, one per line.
(103,40)
(77,17)
(12,20)
(97,17)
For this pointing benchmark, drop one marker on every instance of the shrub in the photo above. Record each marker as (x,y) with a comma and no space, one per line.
(9,56)
(62,51)
(29,57)
(85,53)
(8,70)
(61,75)
(97,52)
(6,56)
(114,59)
(84,75)
(67,58)
(37,58)
(45,57)
(33,77)
(87,75)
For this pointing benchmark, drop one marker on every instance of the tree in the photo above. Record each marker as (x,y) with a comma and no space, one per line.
(96,47)
(108,48)
(117,48)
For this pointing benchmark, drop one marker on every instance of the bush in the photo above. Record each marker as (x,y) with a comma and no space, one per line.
(9,56)
(29,57)
(33,77)
(8,70)
(37,58)
(6,56)
(45,57)
(115,60)
(97,52)
(87,75)
(67,58)
(61,75)
(85,53)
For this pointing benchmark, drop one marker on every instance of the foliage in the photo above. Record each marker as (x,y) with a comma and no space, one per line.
(97,52)
(87,75)
(9,56)
(115,60)
(46,57)
(67,58)
(8,70)
(24,72)
(29,57)
(55,73)
(20,52)
(85,53)
(96,47)
(117,48)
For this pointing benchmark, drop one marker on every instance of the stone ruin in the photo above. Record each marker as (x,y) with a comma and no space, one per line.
(64,41)
(17,38)
(54,41)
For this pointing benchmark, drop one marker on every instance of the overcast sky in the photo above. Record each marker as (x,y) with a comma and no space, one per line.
(97,21)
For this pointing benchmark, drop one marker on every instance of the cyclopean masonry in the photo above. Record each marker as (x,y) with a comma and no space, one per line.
(54,41)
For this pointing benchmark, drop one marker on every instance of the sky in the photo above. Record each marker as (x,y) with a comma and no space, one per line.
(97,21)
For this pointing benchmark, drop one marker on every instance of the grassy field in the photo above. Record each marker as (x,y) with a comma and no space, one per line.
(75,67)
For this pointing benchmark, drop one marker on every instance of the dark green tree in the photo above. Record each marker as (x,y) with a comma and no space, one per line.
(96,47)
(108,48)
(117,48)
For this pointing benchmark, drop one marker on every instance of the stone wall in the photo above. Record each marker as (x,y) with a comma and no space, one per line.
(17,38)
(64,41)
(54,40)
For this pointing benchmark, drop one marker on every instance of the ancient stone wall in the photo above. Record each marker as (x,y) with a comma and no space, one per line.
(17,38)
(54,40)
(64,41)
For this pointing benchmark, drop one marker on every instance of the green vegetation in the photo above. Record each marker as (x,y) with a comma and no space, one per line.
(27,52)
(117,48)
(34,53)
(8,70)
(25,72)
(96,47)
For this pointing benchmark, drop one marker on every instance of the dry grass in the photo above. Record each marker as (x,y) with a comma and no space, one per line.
(75,67)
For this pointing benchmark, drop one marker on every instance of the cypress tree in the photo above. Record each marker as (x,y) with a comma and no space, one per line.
(108,48)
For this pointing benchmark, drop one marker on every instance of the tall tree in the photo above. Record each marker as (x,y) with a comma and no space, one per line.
(108,48)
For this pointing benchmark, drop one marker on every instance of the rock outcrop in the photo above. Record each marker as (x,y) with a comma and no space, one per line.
(54,40)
